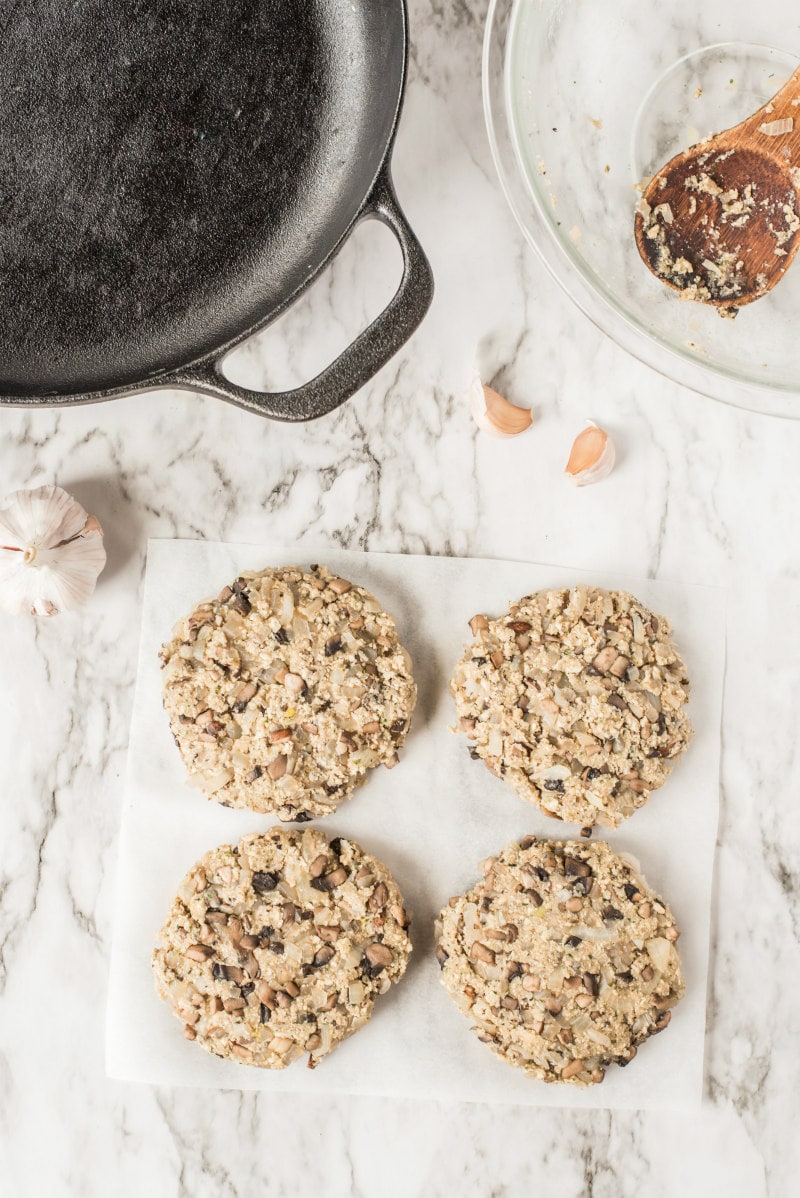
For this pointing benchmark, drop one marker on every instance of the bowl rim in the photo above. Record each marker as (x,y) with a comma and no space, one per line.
(713,382)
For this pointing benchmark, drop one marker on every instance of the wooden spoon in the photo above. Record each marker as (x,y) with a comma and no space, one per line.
(720,221)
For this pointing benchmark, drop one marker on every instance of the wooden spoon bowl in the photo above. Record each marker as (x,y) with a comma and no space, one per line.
(721,221)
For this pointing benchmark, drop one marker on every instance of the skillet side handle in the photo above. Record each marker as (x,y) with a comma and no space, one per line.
(357,364)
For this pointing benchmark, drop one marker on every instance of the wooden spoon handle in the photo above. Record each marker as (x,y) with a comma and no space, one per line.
(784,105)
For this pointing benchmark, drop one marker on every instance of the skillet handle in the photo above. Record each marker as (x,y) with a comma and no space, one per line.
(357,364)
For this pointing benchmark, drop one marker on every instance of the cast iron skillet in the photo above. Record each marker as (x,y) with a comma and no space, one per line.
(173,173)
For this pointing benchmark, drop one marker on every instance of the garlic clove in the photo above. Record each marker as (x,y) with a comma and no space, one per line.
(51,552)
(592,456)
(495,415)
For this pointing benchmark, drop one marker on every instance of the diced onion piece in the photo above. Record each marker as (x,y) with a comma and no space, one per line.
(659,950)
(776,128)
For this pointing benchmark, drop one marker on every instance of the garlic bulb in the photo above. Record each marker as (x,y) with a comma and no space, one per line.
(495,415)
(51,552)
(592,456)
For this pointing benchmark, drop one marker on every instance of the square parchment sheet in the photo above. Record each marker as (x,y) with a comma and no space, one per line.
(432,820)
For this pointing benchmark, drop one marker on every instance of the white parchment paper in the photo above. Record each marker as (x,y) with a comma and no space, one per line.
(432,819)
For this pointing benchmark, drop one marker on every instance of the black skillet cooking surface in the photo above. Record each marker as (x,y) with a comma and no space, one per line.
(174,172)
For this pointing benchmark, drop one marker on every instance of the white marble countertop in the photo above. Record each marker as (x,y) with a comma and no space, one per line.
(702,493)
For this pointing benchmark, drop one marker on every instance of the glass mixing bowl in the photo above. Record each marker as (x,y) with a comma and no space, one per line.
(584,100)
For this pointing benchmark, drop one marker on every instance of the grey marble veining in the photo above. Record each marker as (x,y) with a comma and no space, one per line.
(701,493)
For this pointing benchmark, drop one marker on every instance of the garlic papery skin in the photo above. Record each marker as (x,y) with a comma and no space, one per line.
(51,552)
(495,415)
(592,456)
